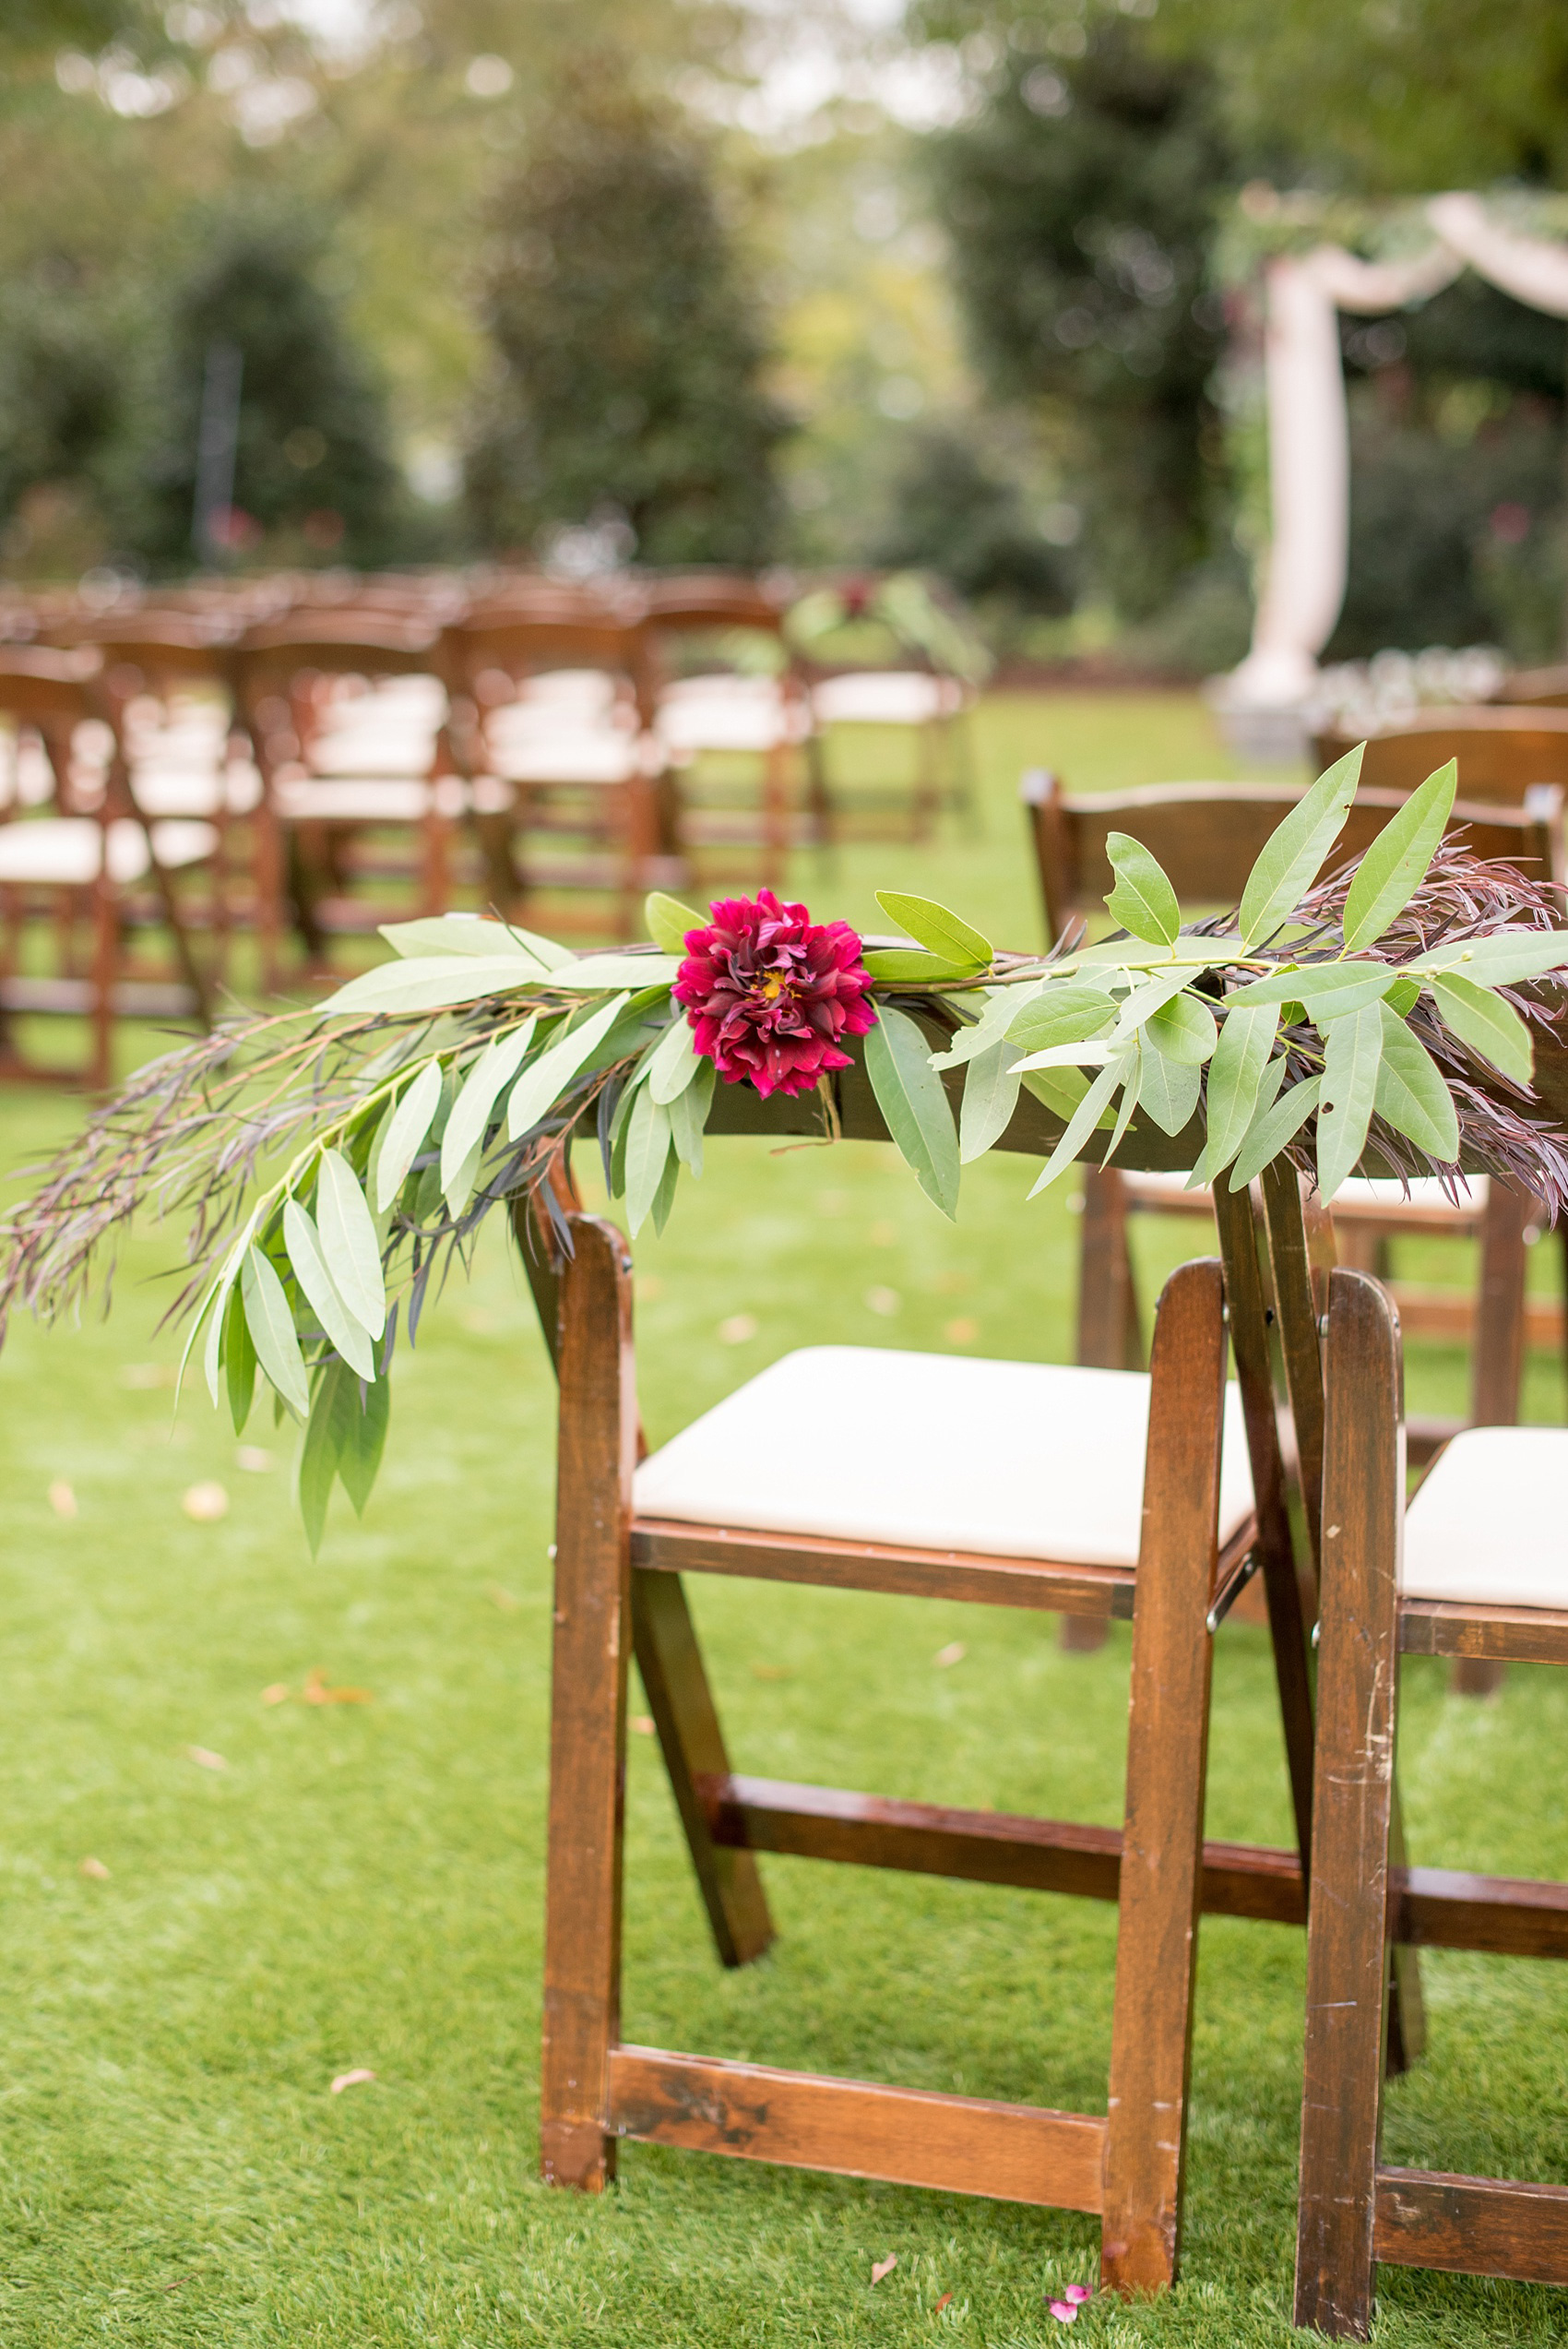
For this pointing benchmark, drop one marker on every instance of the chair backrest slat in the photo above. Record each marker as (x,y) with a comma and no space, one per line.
(1500,750)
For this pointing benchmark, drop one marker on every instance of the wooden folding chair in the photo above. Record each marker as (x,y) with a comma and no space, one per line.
(930,714)
(1207,837)
(86,849)
(1474,1567)
(1502,751)
(345,764)
(1537,688)
(553,727)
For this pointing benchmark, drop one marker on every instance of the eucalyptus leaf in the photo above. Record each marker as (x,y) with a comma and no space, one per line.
(1129,1090)
(664,1197)
(464,934)
(1486,1024)
(327,1431)
(1083,1120)
(648,1142)
(1352,1056)
(1183,1030)
(1066,1013)
(428,982)
(365,1438)
(403,1134)
(1142,900)
(675,1061)
(218,1307)
(1412,1095)
(1290,859)
(544,1080)
(1272,1128)
(314,1277)
(483,1086)
(346,1232)
(271,1326)
(668,920)
(628,971)
(688,1116)
(1148,998)
(1498,961)
(238,1362)
(1236,1076)
(990,1095)
(1395,864)
(1002,1006)
(910,966)
(911,1098)
(1325,989)
(942,933)
(1169,1090)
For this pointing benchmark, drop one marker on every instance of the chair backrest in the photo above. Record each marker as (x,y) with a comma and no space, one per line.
(494,645)
(1500,750)
(157,652)
(1207,836)
(52,693)
(703,600)
(1537,688)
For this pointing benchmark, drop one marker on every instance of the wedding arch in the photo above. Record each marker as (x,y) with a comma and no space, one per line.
(1295,405)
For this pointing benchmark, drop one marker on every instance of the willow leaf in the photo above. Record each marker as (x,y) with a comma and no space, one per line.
(238,1362)
(990,1095)
(675,1061)
(347,1230)
(467,935)
(314,1277)
(401,1137)
(544,1080)
(911,1098)
(327,1431)
(1142,899)
(1002,1006)
(648,1141)
(271,1326)
(1272,1128)
(1486,1024)
(1290,859)
(428,982)
(483,1088)
(1395,864)
(1352,1055)
(688,1116)
(1412,1095)
(365,1438)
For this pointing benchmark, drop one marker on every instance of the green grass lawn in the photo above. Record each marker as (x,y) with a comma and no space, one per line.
(360,1884)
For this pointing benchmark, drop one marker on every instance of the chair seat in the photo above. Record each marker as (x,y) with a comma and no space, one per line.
(929,1452)
(1380,1193)
(1488,1524)
(576,755)
(193,791)
(66,852)
(730,714)
(885,698)
(391,799)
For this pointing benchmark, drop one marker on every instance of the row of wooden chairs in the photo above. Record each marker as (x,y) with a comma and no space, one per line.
(1097,1494)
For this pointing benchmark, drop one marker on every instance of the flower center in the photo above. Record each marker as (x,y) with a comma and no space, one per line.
(773,988)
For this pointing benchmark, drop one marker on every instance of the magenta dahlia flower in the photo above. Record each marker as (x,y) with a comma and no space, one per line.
(769,993)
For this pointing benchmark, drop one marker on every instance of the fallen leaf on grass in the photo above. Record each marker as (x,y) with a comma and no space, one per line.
(953,1652)
(883,1301)
(945,2301)
(737,1329)
(206,1503)
(62,1500)
(771,1672)
(962,1332)
(883,2267)
(508,1601)
(316,1692)
(276,1694)
(643,1723)
(884,1235)
(649,1288)
(356,2078)
(204,1759)
(96,1869)
(252,1460)
(147,1373)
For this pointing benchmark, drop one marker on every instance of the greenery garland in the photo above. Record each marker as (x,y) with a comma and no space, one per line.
(332,1160)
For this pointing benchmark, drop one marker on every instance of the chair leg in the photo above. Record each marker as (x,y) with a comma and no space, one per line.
(1499,1366)
(1109,1337)
(681,1704)
(1347,1972)
(588,1733)
(1161,1882)
(106,968)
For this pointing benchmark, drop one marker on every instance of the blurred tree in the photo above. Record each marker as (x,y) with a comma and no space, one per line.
(1080,201)
(312,466)
(628,349)
(953,511)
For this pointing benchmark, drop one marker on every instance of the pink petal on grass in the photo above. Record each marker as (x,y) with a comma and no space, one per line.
(350,2079)
(62,1500)
(204,1759)
(1064,2312)
(883,2267)
(1077,2294)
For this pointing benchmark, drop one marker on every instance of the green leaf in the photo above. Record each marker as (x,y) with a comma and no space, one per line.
(460,1190)
(990,1095)
(1083,1120)
(1061,1090)
(1486,1024)
(664,1197)
(428,982)
(1497,962)
(463,933)
(1130,1091)
(1288,862)
(941,932)
(1169,1089)
(688,1116)
(470,1121)
(238,1362)
(327,1431)
(314,1277)
(1325,989)
(1412,1095)
(544,1080)
(1142,900)
(1352,1055)
(346,1232)
(910,966)
(668,920)
(628,971)
(1395,864)
(1002,1006)
(1066,1014)
(1236,1076)
(911,1098)
(271,1326)
(1183,1030)
(1272,1128)
(365,1439)
(648,1140)
(675,1061)
(402,1134)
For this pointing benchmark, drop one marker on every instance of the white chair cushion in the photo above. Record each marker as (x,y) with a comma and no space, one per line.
(1425,1191)
(573,754)
(388,799)
(929,1452)
(727,713)
(64,851)
(1489,1523)
(884,698)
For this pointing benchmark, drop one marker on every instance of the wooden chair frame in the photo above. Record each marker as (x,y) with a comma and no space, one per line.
(1355,2209)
